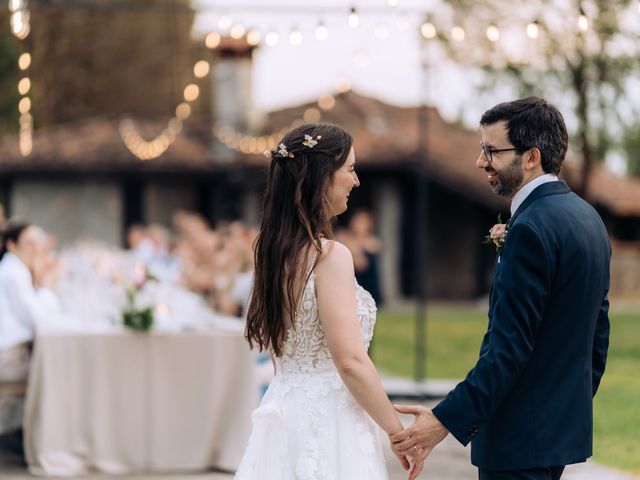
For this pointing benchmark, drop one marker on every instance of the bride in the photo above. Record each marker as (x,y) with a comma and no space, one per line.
(319,418)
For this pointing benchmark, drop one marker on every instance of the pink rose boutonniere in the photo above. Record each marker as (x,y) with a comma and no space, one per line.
(497,234)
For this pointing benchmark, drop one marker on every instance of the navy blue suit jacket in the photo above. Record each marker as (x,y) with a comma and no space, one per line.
(527,403)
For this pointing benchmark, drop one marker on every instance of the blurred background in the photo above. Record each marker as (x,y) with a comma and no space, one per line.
(132,132)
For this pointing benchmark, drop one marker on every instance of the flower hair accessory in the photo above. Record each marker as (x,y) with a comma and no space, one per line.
(311,142)
(282,151)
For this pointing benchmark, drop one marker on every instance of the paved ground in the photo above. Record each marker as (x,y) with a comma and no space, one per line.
(449,461)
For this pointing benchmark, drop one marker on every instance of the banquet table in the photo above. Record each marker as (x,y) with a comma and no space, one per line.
(122,402)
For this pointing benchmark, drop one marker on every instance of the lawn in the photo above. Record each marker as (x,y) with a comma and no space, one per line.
(453,341)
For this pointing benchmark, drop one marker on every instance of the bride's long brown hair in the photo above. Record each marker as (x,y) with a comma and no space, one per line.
(296,215)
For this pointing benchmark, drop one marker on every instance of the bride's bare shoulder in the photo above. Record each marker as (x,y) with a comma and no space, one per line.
(335,257)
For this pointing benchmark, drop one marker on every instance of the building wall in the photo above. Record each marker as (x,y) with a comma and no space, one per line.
(625,269)
(71,210)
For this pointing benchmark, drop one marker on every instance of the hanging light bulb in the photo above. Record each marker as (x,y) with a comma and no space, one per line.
(458,33)
(392,3)
(271,39)
(212,40)
(24,61)
(532,30)
(321,31)
(583,21)
(20,25)
(253,37)
(493,33)
(295,37)
(224,22)
(24,105)
(428,30)
(354,18)
(201,69)
(24,85)
(191,92)
(237,31)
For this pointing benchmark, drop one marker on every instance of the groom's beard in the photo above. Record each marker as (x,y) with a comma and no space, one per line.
(508,180)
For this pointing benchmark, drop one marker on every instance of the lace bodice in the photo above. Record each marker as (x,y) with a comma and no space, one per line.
(305,347)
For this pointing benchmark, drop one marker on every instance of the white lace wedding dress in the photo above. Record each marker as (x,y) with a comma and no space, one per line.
(308,425)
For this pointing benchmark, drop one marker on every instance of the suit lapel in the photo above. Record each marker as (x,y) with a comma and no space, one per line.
(544,190)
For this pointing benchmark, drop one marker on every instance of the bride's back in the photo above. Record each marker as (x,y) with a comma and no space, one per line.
(305,348)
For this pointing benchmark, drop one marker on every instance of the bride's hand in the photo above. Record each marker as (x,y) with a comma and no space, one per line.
(414,463)
(404,461)
(416,468)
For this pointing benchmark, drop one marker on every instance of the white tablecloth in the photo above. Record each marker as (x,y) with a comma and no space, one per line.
(123,402)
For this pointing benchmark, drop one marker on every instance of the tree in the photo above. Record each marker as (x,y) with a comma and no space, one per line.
(105,57)
(588,71)
(9,96)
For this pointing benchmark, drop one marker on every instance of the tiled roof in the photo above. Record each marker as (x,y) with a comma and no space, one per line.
(386,136)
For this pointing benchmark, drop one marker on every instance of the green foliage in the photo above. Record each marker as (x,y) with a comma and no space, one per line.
(454,336)
(590,73)
(139,320)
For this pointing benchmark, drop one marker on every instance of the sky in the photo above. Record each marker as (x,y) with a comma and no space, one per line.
(381,57)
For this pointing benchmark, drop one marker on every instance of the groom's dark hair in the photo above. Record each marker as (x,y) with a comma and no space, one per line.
(532,122)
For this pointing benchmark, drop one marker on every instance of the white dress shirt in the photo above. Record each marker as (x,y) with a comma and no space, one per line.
(22,306)
(525,191)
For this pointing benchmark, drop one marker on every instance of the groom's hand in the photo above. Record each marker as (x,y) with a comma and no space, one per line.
(419,439)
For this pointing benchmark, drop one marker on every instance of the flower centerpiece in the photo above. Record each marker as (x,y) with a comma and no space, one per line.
(138,314)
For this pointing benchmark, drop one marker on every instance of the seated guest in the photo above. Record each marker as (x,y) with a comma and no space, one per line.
(27,276)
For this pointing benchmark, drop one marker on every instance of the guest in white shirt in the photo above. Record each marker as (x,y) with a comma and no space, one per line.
(26,298)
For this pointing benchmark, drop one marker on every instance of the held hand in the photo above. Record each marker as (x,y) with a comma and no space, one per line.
(416,465)
(419,439)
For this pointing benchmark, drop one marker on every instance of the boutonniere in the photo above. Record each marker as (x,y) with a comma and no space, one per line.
(497,234)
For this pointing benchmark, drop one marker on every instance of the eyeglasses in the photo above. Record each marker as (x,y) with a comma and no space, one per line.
(488,152)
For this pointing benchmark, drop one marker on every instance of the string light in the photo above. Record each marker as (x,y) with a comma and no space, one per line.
(295,37)
(20,23)
(428,30)
(21,27)
(253,37)
(201,69)
(237,31)
(24,61)
(354,18)
(312,115)
(272,39)
(148,150)
(493,34)
(213,40)
(24,85)
(532,30)
(583,21)
(183,111)
(224,22)
(191,92)
(458,33)
(326,102)
(321,31)
(15,5)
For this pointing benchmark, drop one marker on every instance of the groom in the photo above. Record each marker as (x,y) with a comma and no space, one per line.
(526,406)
